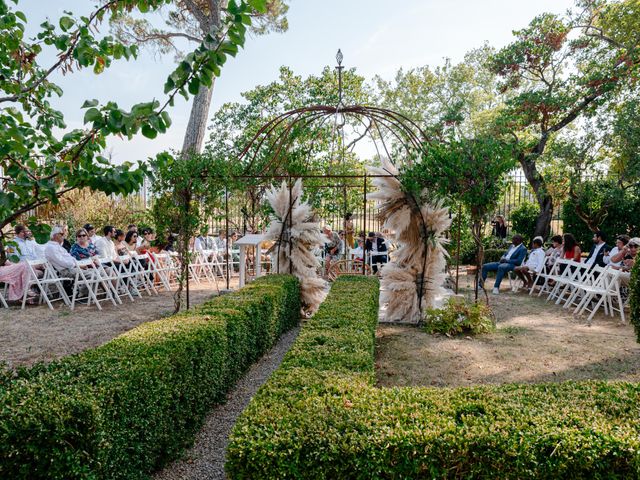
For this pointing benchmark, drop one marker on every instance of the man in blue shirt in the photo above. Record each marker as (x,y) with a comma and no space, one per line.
(509,261)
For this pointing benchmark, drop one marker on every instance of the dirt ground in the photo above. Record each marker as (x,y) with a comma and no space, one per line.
(40,334)
(534,342)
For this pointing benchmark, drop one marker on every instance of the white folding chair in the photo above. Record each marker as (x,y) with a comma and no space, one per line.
(50,279)
(111,274)
(540,279)
(580,273)
(563,276)
(514,282)
(129,275)
(3,294)
(144,271)
(164,269)
(586,276)
(88,276)
(607,288)
(196,268)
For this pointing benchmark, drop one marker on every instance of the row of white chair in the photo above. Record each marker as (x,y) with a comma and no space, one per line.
(585,287)
(96,281)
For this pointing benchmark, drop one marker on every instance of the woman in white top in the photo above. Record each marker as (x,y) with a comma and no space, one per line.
(621,242)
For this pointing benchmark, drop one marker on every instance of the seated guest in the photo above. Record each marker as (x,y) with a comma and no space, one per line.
(134,228)
(508,262)
(121,246)
(554,251)
(534,264)
(57,256)
(83,248)
(148,237)
(91,233)
(66,244)
(343,243)
(570,248)
(131,240)
(16,276)
(357,253)
(377,247)
(628,256)
(598,249)
(26,248)
(221,241)
(621,241)
(106,247)
(170,245)
(331,247)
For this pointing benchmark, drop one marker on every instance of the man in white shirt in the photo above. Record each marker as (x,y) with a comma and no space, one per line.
(57,256)
(105,246)
(27,248)
(534,264)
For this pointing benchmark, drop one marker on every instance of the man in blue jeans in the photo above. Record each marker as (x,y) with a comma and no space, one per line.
(510,260)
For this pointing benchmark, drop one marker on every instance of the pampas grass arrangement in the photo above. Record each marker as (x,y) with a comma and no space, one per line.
(412,282)
(296,234)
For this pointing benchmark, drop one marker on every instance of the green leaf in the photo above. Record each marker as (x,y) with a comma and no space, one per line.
(194,86)
(89,103)
(66,23)
(149,132)
(92,115)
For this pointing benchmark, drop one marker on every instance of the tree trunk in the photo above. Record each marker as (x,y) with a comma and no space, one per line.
(539,186)
(197,126)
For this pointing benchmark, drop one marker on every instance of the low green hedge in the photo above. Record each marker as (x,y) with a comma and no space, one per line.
(326,419)
(126,408)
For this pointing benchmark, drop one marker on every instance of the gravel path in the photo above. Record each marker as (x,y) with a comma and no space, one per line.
(205,460)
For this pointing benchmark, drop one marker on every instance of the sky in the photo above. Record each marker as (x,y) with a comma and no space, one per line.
(376,37)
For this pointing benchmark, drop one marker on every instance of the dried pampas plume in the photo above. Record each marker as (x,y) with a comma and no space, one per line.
(296,235)
(415,277)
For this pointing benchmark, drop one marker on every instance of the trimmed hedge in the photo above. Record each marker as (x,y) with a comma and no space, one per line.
(326,419)
(128,407)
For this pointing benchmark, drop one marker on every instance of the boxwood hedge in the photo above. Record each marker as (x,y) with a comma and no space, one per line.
(126,408)
(321,416)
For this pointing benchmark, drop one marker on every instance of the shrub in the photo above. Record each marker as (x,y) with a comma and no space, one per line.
(620,211)
(460,316)
(493,254)
(320,416)
(523,220)
(634,298)
(126,408)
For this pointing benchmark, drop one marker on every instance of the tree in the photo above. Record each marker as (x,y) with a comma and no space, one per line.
(471,171)
(454,99)
(39,165)
(194,21)
(560,69)
(185,186)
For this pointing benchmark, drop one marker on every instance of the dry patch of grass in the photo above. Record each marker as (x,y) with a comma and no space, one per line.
(534,342)
(41,334)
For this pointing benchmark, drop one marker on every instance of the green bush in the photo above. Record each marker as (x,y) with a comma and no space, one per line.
(622,212)
(320,416)
(128,407)
(523,220)
(493,254)
(460,316)
(634,298)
